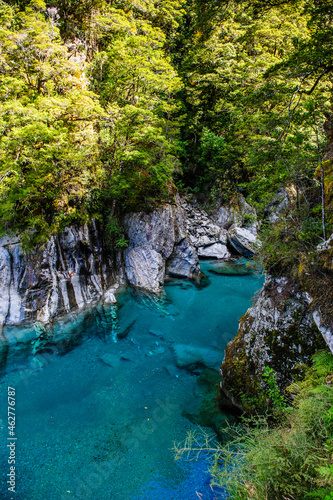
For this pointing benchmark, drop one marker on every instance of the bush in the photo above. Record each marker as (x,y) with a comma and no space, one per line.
(289,460)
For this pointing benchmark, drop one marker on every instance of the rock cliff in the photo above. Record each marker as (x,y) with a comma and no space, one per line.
(72,270)
(75,268)
(279,331)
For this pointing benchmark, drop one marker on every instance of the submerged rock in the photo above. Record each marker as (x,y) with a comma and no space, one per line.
(129,356)
(125,331)
(111,360)
(191,357)
(239,268)
(172,370)
(157,333)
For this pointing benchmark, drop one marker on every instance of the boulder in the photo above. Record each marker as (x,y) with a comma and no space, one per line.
(110,359)
(144,268)
(215,251)
(184,262)
(243,241)
(154,239)
(279,331)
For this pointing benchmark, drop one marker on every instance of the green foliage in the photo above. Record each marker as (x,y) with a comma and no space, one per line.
(143,88)
(48,155)
(291,459)
(115,234)
(84,125)
(136,82)
(273,392)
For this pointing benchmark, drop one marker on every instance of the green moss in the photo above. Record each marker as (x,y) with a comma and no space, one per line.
(289,351)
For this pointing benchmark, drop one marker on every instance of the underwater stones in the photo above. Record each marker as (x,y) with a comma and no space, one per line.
(111,360)
(125,331)
(155,349)
(192,357)
(243,241)
(172,370)
(157,333)
(238,268)
(129,356)
(215,251)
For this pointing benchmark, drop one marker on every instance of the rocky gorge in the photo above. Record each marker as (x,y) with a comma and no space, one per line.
(77,268)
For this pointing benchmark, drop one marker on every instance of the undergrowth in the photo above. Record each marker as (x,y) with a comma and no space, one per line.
(286,458)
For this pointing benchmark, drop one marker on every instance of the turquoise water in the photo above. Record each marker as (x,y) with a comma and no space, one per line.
(99,421)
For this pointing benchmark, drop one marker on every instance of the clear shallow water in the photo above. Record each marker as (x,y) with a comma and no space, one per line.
(88,430)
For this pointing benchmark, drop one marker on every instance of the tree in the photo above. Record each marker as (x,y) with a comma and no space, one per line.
(48,141)
(136,83)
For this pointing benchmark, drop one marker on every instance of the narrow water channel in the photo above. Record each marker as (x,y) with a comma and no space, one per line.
(99,422)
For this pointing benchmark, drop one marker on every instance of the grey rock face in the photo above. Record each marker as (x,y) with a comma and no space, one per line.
(71,271)
(278,331)
(326,331)
(145,268)
(155,229)
(243,241)
(215,251)
(277,206)
(74,269)
(184,262)
(201,229)
(242,215)
(154,239)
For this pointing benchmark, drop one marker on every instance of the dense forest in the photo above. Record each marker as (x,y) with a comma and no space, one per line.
(108,107)
(112,106)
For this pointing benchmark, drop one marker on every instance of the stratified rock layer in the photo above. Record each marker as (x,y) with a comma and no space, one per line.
(72,270)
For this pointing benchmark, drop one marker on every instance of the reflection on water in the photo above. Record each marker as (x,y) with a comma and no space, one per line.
(100,420)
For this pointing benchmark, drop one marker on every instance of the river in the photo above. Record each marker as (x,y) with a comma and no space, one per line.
(99,421)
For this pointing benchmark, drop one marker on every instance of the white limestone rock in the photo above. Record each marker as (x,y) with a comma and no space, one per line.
(243,241)
(145,268)
(215,251)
